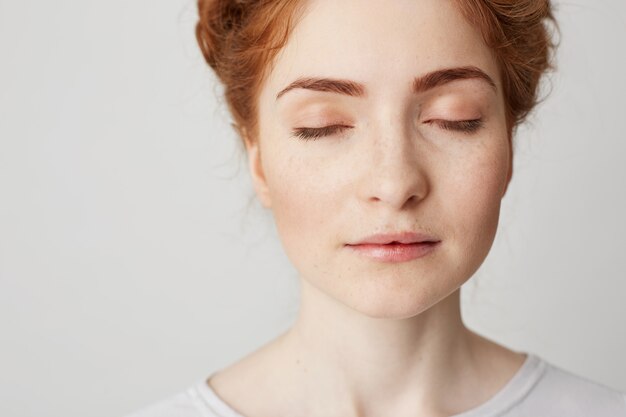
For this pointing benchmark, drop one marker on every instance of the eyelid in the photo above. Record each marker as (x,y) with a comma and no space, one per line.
(312,133)
(465,125)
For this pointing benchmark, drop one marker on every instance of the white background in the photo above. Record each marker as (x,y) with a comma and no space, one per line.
(131,264)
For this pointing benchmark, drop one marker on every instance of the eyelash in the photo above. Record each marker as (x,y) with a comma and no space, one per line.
(464,126)
(312,133)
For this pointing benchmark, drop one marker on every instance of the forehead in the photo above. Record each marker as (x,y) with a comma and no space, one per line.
(383,44)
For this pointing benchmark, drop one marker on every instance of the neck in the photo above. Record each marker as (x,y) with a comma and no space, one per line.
(337,352)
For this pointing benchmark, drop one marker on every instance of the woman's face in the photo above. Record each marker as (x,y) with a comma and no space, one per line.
(399,159)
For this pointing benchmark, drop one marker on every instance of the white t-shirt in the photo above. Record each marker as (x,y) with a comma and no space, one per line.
(538,389)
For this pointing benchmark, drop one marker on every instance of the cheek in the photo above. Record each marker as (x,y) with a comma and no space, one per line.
(303,202)
(475,192)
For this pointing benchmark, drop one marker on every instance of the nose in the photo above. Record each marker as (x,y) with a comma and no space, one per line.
(395,173)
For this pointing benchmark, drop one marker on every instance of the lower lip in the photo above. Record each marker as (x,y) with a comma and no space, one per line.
(395,252)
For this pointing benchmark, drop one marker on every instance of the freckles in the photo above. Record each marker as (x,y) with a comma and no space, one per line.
(486,183)
(297,199)
(476,192)
(488,168)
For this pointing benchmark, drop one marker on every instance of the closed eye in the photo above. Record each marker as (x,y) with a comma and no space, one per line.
(312,133)
(465,126)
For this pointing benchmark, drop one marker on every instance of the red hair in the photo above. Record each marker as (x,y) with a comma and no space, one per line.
(240,38)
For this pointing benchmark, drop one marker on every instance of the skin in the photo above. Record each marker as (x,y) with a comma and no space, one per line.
(374,338)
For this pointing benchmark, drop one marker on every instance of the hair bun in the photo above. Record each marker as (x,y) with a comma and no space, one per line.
(218,20)
(233,14)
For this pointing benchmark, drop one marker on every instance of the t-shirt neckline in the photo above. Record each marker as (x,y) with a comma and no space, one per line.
(516,389)
(507,397)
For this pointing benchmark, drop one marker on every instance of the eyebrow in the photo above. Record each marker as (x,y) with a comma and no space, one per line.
(420,84)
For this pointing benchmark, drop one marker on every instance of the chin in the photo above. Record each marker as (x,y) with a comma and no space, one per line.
(396,303)
(389,311)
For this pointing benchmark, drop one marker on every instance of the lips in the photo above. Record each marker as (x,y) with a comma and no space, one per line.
(394,252)
(395,247)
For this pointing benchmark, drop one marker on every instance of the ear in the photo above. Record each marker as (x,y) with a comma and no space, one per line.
(255,166)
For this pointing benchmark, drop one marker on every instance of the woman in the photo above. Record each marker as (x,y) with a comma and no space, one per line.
(379,134)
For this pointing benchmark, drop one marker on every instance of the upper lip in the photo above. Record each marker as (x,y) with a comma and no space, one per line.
(401,237)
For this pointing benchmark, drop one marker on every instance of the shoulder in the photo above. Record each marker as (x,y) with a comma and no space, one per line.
(563,393)
(187,403)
